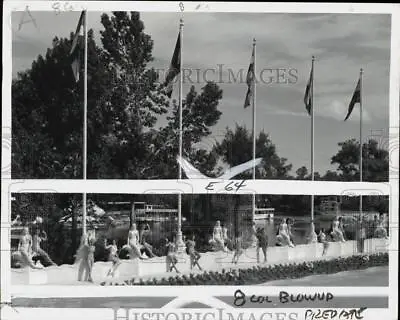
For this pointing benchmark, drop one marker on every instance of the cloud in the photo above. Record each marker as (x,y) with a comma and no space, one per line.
(338,110)
(342,44)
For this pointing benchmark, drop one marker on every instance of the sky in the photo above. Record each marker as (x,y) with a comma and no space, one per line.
(285,43)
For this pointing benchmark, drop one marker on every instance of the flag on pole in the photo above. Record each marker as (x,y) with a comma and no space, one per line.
(77,46)
(250,81)
(308,93)
(174,68)
(355,99)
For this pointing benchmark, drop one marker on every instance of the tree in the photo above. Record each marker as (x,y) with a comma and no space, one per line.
(125,101)
(237,148)
(375,161)
(199,114)
(331,176)
(302,173)
(132,105)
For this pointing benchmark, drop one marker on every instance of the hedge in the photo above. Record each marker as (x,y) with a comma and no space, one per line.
(258,274)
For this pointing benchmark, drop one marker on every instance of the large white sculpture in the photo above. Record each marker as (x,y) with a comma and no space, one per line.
(192,173)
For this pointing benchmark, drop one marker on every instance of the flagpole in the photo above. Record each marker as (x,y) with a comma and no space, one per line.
(85,127)
(179,239)
(361,135)
(312,136)
(254,128)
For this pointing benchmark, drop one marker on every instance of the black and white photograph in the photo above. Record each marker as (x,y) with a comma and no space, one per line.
(219,240)
(160,157)
(129,95)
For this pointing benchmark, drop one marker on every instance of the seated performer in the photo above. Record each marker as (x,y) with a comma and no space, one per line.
(225,237)
(380,231)
(312,237)
(171,259)
(337,234)
(283,235)
(25,249)
(193,254)
(217,238)
(112,256)
(133,245)
(37,238)
(146,247)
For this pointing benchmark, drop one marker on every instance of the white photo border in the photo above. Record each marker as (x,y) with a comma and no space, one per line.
(264,187)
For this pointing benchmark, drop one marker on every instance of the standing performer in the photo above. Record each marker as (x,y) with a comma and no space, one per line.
(238,250)
(194,255)
(361,232)
(112,256)
(171,259)
(37,238)
(341,227)
(92,248)
(25,249)
(289,223)
(323,240)
(262,243)
(83,256)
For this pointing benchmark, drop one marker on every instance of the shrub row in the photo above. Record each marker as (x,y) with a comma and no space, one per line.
(258,274)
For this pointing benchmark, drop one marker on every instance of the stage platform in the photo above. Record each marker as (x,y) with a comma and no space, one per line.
(210,261)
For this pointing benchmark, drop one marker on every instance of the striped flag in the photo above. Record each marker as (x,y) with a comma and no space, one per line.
(174,68)
(250,81)
(355,99)
(77,46)
(308,93)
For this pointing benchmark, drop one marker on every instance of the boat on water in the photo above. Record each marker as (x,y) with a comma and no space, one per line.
(264,213)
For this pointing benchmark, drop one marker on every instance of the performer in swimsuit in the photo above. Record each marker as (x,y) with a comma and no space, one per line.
(217,238)
(37,238)
(289,223)
(283,235)
(194,255)
(312,237)
(238,250)
(133,243)
(380,231)
(25,249)
(254,234)
(112,256)
(225,237)
(341,227)
(92,248)
(82,256)
(146,247)
(336,233)
(85,256)
(323,240)
(171,259)
(262,243)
